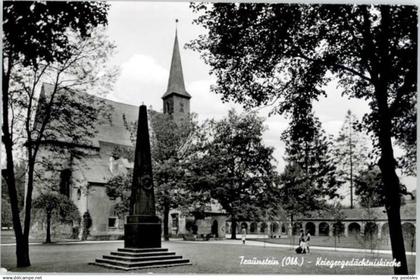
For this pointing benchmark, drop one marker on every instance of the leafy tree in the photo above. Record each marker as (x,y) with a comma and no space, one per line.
(370,188)
(264,53)
(119,187)
(40,39)
(56,205)
(236,168)
(351,151)
(169,136)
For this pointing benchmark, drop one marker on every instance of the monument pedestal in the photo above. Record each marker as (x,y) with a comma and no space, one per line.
(142,232)
(135,259)
(142,247)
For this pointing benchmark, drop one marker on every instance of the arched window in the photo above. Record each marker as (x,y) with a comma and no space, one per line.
(324,229)
(310,227)
(354,229)
(253,228)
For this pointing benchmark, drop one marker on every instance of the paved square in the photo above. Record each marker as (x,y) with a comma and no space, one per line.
(206,257)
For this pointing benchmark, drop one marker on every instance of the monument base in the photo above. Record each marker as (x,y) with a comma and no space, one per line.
(142,247)
(134,259)
(142,232)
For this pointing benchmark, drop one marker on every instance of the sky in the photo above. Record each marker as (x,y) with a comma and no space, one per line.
(144,35)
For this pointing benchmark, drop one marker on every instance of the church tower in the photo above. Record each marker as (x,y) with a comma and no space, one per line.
(176,100)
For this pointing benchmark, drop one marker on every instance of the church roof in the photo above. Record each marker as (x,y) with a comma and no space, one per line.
(110,129)
(113,130)
(176,83)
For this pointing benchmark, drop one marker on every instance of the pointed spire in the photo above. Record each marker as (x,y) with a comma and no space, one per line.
(176,83)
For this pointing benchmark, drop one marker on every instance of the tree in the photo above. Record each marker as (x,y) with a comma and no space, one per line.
(296,196)
(336,211)
(38,39)
(310,176)
(308,146)
(119,187)
(236,168)
(171,144)
(370,188)
(52,205)
(351,152)
(265,53)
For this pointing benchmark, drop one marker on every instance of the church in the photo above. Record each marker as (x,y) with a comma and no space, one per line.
(83,179)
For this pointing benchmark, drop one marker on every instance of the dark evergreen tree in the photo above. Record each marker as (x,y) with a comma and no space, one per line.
(310,178)
(351,153)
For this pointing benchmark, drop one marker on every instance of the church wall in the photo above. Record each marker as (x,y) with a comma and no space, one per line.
(47,179)
(93,199)
(58,229)
(99,206)
(78,191)
(107,149)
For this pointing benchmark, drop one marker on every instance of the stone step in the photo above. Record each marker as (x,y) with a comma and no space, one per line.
(147,254)
(136,268)
(139,259)
(143,250)
(139,264)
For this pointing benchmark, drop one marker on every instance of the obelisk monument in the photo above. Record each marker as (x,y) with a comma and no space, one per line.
(143,227)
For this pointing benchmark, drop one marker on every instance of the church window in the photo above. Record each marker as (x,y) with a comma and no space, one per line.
(65,177)
(112,222)
(181,107)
